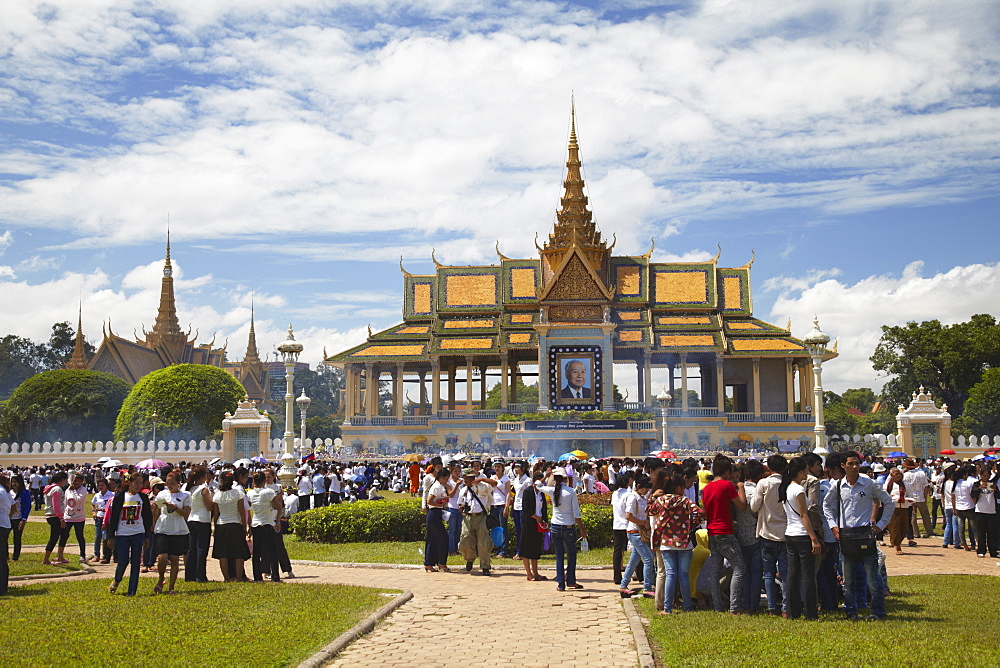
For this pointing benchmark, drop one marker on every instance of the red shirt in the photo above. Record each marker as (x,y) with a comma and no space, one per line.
(716,497)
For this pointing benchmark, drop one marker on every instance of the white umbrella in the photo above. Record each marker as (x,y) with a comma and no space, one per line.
(215,461)
(103,459)
(112,463)
(242,462)
(459,457)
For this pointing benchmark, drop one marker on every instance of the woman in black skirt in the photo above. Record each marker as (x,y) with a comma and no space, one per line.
(230,517)
(533,514)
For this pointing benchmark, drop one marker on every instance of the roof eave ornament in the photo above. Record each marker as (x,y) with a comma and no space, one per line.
(405,273)
(719,254)
(434,259)
(649,253)
(501,255)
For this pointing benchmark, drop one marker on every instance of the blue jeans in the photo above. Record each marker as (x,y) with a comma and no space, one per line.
(677,564)
(454,529)
(564,540)
(129,551)
(98,540)
(950,528)
(726,547)
(755,576)
(873,575)
(196,561)
(775,562)
(640,551)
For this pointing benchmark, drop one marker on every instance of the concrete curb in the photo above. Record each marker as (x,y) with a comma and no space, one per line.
(51,576)
(642,647)
(327,652)
(406,567)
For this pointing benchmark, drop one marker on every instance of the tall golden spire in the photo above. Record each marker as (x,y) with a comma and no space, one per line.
(78,360)
(166,317)
(574,221)
(252,356)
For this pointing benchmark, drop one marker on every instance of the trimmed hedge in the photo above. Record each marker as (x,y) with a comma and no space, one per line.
(361,522)
(390,521)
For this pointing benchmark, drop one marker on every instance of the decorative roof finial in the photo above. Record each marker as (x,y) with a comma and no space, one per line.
(78,360)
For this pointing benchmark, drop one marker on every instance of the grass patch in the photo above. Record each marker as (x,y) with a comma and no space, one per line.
(206,624)
(921,619)
(30,563)
(37,533)
(407,553)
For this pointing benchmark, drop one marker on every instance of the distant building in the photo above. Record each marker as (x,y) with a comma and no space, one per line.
(166,345)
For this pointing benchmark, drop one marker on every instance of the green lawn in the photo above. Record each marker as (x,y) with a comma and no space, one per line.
(30,563)
(933,620)
(408,553)
(37,533)
(206,624)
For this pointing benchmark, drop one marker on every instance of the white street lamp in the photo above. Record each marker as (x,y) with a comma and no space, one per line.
(664,398)
(303,401)
(817,340)
(155,418)
(290,349)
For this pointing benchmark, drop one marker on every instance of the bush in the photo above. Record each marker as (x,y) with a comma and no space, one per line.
(594,499)
(575,415)
(361,522)
(66,404)
(190,401)
(597,520)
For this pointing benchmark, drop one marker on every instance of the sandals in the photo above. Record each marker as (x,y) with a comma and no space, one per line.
(443,568)
(430,569)
(113,587)
(158,589)
(539,578)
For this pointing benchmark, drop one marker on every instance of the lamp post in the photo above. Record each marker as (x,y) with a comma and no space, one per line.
(303,401)
(155,418)
(816,340)
(290,349)
(664,398)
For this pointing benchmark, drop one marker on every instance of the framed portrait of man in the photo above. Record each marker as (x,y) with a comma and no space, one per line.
(575,378)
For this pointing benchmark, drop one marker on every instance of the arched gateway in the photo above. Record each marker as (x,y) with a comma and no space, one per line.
(564,320)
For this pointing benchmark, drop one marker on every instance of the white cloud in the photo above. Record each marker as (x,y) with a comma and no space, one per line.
(6,239)
(854,314)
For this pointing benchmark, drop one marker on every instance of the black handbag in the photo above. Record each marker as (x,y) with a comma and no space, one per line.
(855,542)
(492,522)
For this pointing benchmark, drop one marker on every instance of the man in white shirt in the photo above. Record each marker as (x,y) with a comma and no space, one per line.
(500,493)
(917,487)
(474,499)
(619,523)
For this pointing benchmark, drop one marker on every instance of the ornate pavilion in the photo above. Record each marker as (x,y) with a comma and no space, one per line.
(578,306)
(167,344)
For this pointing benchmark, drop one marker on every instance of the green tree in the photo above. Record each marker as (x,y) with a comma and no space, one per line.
(526,394)
(190,401)
(20,358)
(862,399)
(323,426)
(838,421)
(64,404)
(982,409)
(948,360)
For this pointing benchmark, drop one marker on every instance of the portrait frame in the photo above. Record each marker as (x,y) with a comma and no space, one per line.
(559,358)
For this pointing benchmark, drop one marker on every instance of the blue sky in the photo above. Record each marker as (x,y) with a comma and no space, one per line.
(300,148)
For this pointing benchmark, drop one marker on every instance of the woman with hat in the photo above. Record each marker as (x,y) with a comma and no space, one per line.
(533,526)
(899,523)
(566,519)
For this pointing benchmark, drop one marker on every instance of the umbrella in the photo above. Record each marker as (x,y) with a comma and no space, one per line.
(103,459)
(112,463)
(894,455)
(356,478)
(744,437)
(947,452)
(601,488)
(260,458)
(978,458)
(665,454)
(567,456)
(151,464)
(215,461)
(580,454)
(459,457)
(412,457)
(242,462)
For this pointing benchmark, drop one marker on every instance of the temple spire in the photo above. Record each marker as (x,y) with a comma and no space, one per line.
(167,323)
(78,360)
(252,355)
(574,221)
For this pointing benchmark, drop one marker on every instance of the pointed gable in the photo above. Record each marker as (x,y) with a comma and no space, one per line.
(575,280)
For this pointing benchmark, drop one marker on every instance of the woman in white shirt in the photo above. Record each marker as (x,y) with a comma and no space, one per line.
(950,519)
(965,507)
(619,522)
(984,493)
(436,541)
(566,519)
(171,508)
(899,523)
(264,501)
(514,503)
(199,523)
(98,504)
(230,527)
(802,545)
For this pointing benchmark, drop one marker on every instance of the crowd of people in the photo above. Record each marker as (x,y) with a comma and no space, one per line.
(789,537)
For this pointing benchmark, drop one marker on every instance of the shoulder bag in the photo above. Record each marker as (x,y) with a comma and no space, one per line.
(855,542)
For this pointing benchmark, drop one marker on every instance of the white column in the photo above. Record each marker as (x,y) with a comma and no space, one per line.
(789,386)
(684,383)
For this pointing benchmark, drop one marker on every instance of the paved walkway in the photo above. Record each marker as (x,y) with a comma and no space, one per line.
(504,619)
